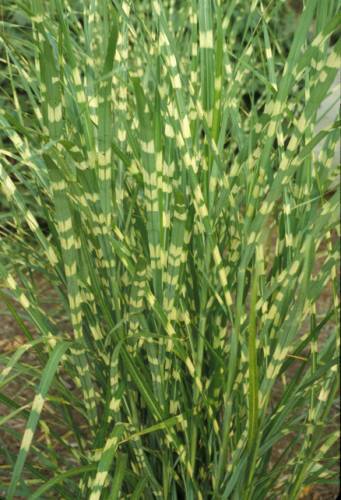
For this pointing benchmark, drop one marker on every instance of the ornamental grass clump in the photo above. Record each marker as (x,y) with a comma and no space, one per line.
(160,177)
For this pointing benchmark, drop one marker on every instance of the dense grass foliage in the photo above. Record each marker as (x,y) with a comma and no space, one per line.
(159,172)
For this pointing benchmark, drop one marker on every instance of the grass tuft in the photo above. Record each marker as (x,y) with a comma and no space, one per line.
(163,175)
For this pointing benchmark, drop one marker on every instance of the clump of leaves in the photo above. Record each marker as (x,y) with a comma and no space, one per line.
(161,174)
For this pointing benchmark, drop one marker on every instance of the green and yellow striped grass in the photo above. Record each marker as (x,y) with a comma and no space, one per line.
(158,167)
